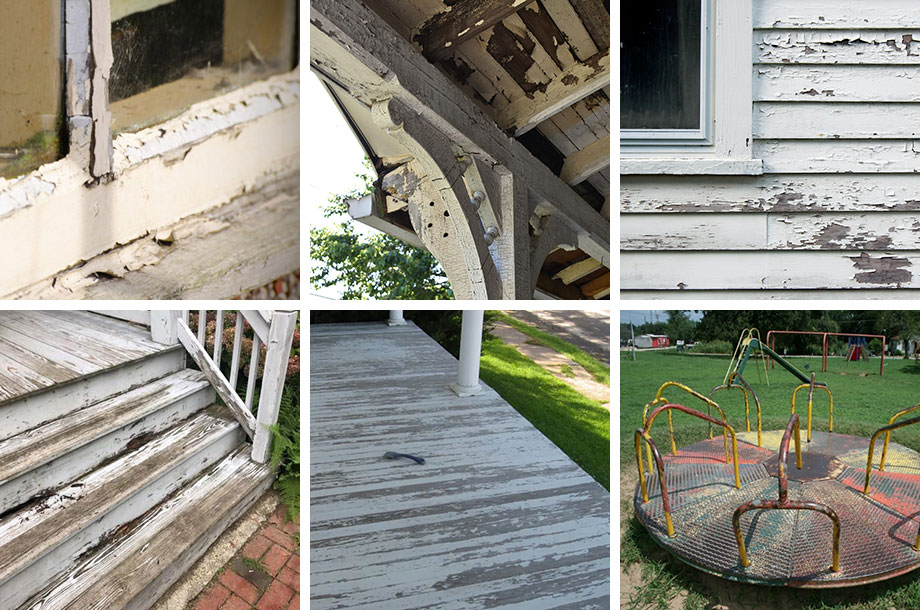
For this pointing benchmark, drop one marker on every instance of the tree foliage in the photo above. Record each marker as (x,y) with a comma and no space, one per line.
(375,267)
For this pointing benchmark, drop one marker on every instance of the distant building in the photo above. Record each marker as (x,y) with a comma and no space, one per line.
(652,341)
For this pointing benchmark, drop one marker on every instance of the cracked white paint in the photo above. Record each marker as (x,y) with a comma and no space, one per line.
(22,192)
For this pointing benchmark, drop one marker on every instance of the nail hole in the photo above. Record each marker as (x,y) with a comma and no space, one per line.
(445,235)
(431,204)
(446,213)
(429,225)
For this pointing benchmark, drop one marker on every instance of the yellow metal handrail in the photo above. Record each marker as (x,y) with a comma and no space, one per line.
(811,389)
(881,465)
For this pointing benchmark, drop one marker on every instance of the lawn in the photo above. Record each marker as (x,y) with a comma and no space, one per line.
(863,402)
(576,424)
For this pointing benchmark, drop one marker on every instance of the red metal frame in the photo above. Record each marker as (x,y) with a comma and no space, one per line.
(771,342)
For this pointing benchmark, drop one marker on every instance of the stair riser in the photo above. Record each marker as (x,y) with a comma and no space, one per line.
(27,413)
(19,587)
(72,465)
(178,567)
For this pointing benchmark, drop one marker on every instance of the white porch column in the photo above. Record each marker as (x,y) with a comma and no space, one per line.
(470,350)
(396,318)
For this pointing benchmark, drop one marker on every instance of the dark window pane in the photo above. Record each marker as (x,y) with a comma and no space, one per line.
(31,118)
(170,54)
(660,65)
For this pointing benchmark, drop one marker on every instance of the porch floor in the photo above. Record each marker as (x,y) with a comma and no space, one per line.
(497,517)
(40,349)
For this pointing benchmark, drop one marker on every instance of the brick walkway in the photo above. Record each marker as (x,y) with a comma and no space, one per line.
(263,575)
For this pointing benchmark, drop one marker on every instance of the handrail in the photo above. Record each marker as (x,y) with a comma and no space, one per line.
(745,388)
(745,384)
(886,429)
(881,465)
(783,503)
(643,433)
(660,399)
(811,389)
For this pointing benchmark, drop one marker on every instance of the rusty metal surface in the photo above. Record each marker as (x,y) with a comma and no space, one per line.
(790,547)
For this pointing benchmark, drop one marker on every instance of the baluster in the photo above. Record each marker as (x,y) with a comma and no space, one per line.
(253,371)
(237,345)
(202,321)
(218,335)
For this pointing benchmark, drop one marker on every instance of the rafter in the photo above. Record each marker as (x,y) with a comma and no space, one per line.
(578,82)
(591,159)
(596,20)
(443,33)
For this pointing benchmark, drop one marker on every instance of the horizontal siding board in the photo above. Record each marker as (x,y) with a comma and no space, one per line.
(815,120)
(898,294)
(830,14)
(870,232)
(843,47)
(756,270)
(838,156)
(837,84)
(790,193)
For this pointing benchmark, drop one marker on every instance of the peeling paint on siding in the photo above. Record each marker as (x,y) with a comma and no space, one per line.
(881,270)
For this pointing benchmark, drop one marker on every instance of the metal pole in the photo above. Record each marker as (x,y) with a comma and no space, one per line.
(470,350)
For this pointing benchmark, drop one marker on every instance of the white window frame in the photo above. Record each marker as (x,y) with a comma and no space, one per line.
(681,137)
(727,150)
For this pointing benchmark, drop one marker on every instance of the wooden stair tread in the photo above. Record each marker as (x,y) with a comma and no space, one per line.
(127,567)
(32,532)
(33,448)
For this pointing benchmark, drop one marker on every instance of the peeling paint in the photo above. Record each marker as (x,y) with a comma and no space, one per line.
(881,270)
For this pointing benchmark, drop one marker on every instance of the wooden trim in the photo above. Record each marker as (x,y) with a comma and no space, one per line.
(440,36)
(281,336)
(258,323)
(218,381)
(141,316)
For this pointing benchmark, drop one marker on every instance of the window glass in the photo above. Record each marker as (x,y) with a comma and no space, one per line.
(31,118)
(660,65)
(170,54)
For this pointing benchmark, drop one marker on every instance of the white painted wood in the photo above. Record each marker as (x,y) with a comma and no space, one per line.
(101,152)
(52,455)
(782,120)
(689,166)
(589,160)
(196,350)
(577,270)
(277,355)
(253,373)
(202,325)
(396,318)
(163,326)
(835,14)
(487,472)
(900,294)
(26,412)
(837,84)
(134,569)
(42,540)
(752,270)
(237,346)
(470,352)
(839,156)
(218,336)
(888,232)
(840,47)
(139,316)
(258,324)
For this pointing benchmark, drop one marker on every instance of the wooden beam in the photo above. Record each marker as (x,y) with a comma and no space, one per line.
(442,34)
(385,66)
(596,20)
(598,287)
(589,160)
(577,271)
(576,83)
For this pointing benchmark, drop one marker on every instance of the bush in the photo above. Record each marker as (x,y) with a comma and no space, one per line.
(713,347)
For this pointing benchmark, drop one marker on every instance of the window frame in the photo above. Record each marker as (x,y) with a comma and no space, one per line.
(728,150)
(703,134)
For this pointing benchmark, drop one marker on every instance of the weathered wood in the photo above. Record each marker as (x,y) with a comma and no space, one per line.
(835,14)
(237,347)
(837,84)
(598,287)
(163,327)
(589,160)
(577,271)
(339,44)
(839,156)
(497,512)
(258,323)
(818,120)
(596,19)
(837,47)
(879,231)
(582,79)
(217,379)
(135,567)
(751,270)
(101,157)
(253,377)
(276,362)
(139,316)
(690,166)
(464,20)
(46,538)
(899,294)
(54,454)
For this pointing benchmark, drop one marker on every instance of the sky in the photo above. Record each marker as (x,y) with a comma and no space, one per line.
(641,317)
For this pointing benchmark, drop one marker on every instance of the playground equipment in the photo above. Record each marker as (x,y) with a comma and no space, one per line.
(771,341)
(748,345)
(842,517)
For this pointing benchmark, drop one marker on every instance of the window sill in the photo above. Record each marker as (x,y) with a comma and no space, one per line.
(691,167)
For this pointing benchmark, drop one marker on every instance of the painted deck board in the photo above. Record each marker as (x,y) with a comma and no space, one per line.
(498,517)
(39,350)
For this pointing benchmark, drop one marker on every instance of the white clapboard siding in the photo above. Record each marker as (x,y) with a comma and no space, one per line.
(826,156)
(497,516)
(837,84)
(836,14)
(837,47)
(755,270)
(807,120)
(897,294)
(875,231)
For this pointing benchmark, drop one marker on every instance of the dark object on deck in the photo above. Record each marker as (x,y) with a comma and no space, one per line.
(391,455)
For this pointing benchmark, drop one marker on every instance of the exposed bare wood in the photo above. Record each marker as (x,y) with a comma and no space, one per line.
(441,34)
(582,79)
(577,271)
(598,287)
(596,20)
(578,166)
(101,156)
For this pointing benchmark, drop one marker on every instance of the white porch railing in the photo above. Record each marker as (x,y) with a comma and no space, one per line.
(274,329)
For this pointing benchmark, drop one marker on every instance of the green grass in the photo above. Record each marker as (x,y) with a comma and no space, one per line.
(576,424)
(598,370)
(566,370)
(255,564)
(863,402)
